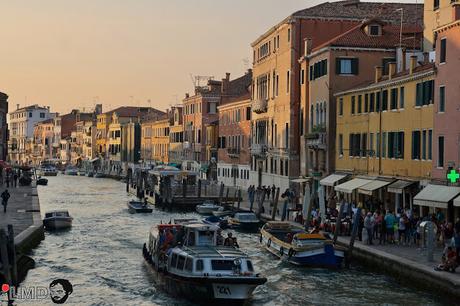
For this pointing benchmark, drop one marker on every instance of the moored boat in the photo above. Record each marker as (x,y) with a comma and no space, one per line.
(48,171)
(90,174)
(42,181)
(187,262)
(57,219)
(71,171)
(222,212)
(207,208)
(216,221)
(139,207)
(244,221)
(99,175)
(292,243)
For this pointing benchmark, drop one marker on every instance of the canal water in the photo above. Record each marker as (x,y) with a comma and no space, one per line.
(102,257)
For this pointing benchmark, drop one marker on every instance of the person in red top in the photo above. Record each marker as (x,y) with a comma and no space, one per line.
(450,261)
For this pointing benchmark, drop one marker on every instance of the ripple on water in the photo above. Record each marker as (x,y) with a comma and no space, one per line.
(102,258)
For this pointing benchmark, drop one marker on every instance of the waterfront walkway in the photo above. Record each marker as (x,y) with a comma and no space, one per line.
(23,212)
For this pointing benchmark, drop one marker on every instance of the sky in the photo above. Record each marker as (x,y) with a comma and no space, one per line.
(73,54)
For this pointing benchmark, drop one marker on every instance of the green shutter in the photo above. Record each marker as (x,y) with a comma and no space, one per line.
(337,65)
(355,66)
(419,95)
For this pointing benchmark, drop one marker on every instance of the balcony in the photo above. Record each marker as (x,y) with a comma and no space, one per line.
(260,106)
(317,138)
(233,152)
(259,150)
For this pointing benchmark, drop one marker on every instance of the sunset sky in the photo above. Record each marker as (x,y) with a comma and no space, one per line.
(70,54)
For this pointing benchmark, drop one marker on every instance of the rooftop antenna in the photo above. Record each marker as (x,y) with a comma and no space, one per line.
(401,29)
(246,63)
(197,80)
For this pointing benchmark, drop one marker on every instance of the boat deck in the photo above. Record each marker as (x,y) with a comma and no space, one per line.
(214,252)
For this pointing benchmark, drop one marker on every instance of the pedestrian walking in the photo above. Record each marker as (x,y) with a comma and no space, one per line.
(5,197)
(273,191)
(7,180)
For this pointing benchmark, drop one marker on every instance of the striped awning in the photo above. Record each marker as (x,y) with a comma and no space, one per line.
(436,195)
(332,179)
(374,185)
(350,186)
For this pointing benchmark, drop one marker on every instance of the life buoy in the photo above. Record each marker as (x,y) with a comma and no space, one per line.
(260,239)
(291,252)
(281,251)
(269,242)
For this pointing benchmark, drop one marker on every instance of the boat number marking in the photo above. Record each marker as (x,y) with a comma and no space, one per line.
(224,290)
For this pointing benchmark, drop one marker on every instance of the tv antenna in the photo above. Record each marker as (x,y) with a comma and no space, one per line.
(197,80)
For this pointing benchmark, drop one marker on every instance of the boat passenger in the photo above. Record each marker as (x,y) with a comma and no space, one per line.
(289,237)
(231,241)
(169,238)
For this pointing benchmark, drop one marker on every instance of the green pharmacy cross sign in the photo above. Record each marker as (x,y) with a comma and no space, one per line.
(453,176)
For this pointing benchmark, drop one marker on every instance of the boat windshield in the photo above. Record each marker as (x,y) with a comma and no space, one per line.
(224,265)
(205,237)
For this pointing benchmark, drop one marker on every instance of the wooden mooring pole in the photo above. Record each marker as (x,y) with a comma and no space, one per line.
(275,203)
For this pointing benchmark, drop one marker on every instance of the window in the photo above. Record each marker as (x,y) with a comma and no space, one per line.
(371,144)
(302,77)
(374,30)
(277,84)
(371,102)
(286,140)
(384,144)
(360,104)
(416,145)
(394,98)
(180,262)
(363,152)
(319,70)
(384,100)
(435,4)
(401,97)
(189,264)
(199,266)
(430,143)
(441,151)
(341,107)
(288,80)
(174,260)
(212,107)
(249,265)
(248,113)
(442,99)
(340,144)
(223,265)
(395,144)
(443,51)
(366,103)
(301,120)
(30,114)
(347,66)
(289,35)
(424,93)
(286,167)
(353,105)
(377,102)
(424,144)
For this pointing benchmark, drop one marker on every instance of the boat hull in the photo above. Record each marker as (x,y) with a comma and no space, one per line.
(50,173)
(134,209)
(246,226)
(57,223)
(208,290)
(324,256)
(205,210)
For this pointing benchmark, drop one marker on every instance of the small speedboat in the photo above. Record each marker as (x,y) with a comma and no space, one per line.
(216,221)
(71,171)
(42,181)
(139,207)
(222,212)
(48,171)
(57,219)
(207,208)
(290,242)
(246,221)
(99,175)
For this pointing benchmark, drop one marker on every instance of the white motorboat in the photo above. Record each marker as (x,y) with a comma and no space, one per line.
(222,212)
(207,208)
(57,219)
(244,221)
(48,171)
(189,263)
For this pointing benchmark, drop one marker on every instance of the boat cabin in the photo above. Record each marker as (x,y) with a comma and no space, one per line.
(57,213)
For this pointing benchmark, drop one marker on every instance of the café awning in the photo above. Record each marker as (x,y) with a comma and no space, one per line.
(300,180)
(436,195)
(399,186)
(457,201)
(374,185)
(350,186)
(332,179)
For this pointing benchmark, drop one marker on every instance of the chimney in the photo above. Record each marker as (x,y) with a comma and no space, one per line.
(187,95)
(225,83)
(412,63)
(391,70)
(378,73)
(426,58)
(308,45)
(17,106)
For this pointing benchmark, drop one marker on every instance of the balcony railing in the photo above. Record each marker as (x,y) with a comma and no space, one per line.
(233,152)
(259,150)
(260,106)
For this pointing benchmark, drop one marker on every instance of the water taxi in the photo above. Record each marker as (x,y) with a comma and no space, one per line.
(188,262)
(290,242)
(57,219)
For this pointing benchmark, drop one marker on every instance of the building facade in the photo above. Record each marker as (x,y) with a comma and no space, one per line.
(160,140)
(176,141)
(3,126)
(21,124)
(43,141)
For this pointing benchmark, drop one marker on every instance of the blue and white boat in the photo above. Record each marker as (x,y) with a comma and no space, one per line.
(290,242)
(216,221)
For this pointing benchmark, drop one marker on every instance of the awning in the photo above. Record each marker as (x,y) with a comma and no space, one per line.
(204,168)
(300,180)
(351,185)
(369,188)
(436,195)
(399,185)
(175,165)
(332,179)
(457,201)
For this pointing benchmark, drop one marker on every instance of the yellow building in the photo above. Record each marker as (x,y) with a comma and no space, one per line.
(160,140)
(438,13)
(395,143)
